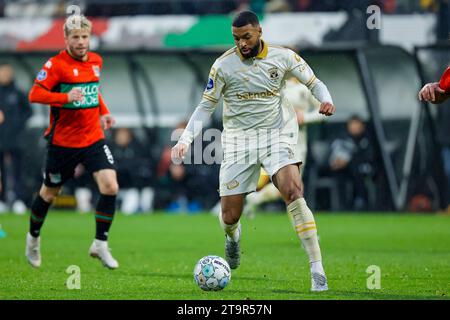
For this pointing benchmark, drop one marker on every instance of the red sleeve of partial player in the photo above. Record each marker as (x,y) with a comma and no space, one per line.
(103,108)
(444,83)
(40,95)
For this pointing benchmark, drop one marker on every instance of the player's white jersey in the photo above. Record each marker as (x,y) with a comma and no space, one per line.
(251,91)
(251,88)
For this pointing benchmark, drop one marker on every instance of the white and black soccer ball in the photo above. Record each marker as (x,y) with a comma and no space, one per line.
(212,273)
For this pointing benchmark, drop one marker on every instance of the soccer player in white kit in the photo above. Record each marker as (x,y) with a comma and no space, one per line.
(260,130)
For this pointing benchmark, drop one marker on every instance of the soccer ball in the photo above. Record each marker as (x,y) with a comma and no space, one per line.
(212,273)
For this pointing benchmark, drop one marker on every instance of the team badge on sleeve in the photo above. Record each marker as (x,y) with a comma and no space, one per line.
(48,64)
(42,75)
(210,84)
(96,70)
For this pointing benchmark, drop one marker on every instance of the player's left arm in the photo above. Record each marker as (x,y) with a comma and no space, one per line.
(311,115)
(106,119)
(298,68)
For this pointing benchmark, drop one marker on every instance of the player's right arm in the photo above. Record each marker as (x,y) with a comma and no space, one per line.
(202,113)
(47,78)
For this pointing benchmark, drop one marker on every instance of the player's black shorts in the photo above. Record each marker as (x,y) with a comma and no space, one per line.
(61,161)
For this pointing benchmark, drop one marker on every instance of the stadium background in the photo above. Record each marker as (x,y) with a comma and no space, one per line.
(157,55)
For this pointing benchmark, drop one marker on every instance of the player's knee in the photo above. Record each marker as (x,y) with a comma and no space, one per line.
(109,187)
(49,198)
(48,195)
(293,193)
(230,216)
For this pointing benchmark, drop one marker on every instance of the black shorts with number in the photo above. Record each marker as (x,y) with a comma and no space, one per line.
(61,161)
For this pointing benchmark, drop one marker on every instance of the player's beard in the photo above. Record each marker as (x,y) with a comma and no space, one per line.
(75,53)
(253,52)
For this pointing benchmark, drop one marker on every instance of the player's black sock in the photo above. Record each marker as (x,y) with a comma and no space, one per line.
(104,215)
(39,210)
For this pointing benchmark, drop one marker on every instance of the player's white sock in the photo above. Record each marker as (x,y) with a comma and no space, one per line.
(232,230)
(266,194)
(303,221)
(317,267)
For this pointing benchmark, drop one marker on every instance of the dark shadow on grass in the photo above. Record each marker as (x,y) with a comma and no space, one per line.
(187,276)
(255,278)
(161,275)
(380,295)
(353,295)
(305,294)
(284,291)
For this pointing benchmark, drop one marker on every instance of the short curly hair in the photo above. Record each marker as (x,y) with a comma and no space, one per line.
(244,18)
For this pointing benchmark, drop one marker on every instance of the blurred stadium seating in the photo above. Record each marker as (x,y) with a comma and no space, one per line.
(108,8)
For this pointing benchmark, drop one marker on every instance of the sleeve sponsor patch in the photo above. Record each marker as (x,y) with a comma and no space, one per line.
(302,67)
(42,75)
(48,64)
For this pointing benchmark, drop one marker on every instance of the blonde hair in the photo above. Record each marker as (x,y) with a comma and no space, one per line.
(76,22)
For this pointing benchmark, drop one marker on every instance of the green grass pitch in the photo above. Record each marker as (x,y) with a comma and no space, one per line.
(157,254)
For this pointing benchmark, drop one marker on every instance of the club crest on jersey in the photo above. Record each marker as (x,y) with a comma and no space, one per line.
(42,75)
(75,72)
(96,70)
(210,84)
(273,73)
(48,64)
